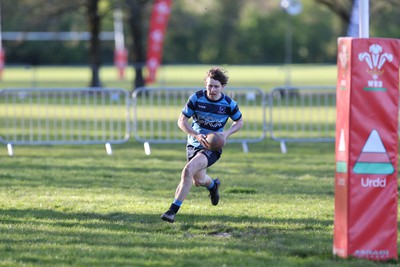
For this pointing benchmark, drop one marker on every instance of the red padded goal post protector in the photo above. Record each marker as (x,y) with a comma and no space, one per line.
(366,152)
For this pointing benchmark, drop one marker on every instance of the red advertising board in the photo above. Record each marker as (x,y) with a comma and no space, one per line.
(365,223)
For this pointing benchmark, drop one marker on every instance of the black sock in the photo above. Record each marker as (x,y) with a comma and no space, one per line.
(174,208)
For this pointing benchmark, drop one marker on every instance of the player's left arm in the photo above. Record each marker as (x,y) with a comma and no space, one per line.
(237,118)
(236,126)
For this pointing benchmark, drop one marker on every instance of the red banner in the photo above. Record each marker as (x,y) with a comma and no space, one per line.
(2,61)
(367,148)
(158,26)
(120,61)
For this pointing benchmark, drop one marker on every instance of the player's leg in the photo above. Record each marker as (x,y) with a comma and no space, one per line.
(196,171)
(202,179)
(193,166)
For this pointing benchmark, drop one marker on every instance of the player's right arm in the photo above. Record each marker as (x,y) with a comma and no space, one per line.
(184,125)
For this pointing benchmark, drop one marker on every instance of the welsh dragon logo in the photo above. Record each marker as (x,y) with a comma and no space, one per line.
(375,60)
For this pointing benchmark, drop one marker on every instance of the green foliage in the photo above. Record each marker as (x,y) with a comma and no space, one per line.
(200,32)
(61,53)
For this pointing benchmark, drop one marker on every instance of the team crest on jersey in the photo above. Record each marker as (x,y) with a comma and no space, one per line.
(221,110)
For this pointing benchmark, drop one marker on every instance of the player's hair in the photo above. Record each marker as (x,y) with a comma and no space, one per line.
(218,74)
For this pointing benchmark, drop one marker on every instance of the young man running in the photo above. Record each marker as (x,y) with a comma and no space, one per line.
(210,109)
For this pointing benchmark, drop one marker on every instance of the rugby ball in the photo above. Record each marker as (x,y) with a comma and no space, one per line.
(215,140)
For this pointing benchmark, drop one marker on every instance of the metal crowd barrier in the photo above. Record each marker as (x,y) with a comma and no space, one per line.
(64,116)
(302,114)
(102,116)
(156,111)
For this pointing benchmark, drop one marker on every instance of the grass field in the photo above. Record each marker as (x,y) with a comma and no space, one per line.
(263,76)
(72,205)
(76,206)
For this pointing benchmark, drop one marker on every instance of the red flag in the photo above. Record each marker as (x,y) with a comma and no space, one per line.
(120,53)
(158,26)
(120,61)
(2,61)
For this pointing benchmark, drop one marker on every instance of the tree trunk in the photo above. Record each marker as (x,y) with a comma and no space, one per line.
(137,54)
(139,80)
(95,45)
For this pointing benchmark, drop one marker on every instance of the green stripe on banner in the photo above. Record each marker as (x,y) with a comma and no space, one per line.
(378,89)
(341,166)
(373,168)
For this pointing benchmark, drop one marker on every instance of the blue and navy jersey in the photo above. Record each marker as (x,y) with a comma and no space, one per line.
(208,115)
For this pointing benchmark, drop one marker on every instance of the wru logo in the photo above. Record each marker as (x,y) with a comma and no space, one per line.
(375,60)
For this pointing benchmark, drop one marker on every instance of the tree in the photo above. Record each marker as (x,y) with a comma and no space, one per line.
(342,8)
(199,31)
(95,44)
(39,18)
(136,10)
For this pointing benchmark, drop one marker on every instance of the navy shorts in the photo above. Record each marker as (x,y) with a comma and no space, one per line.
(212,156)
